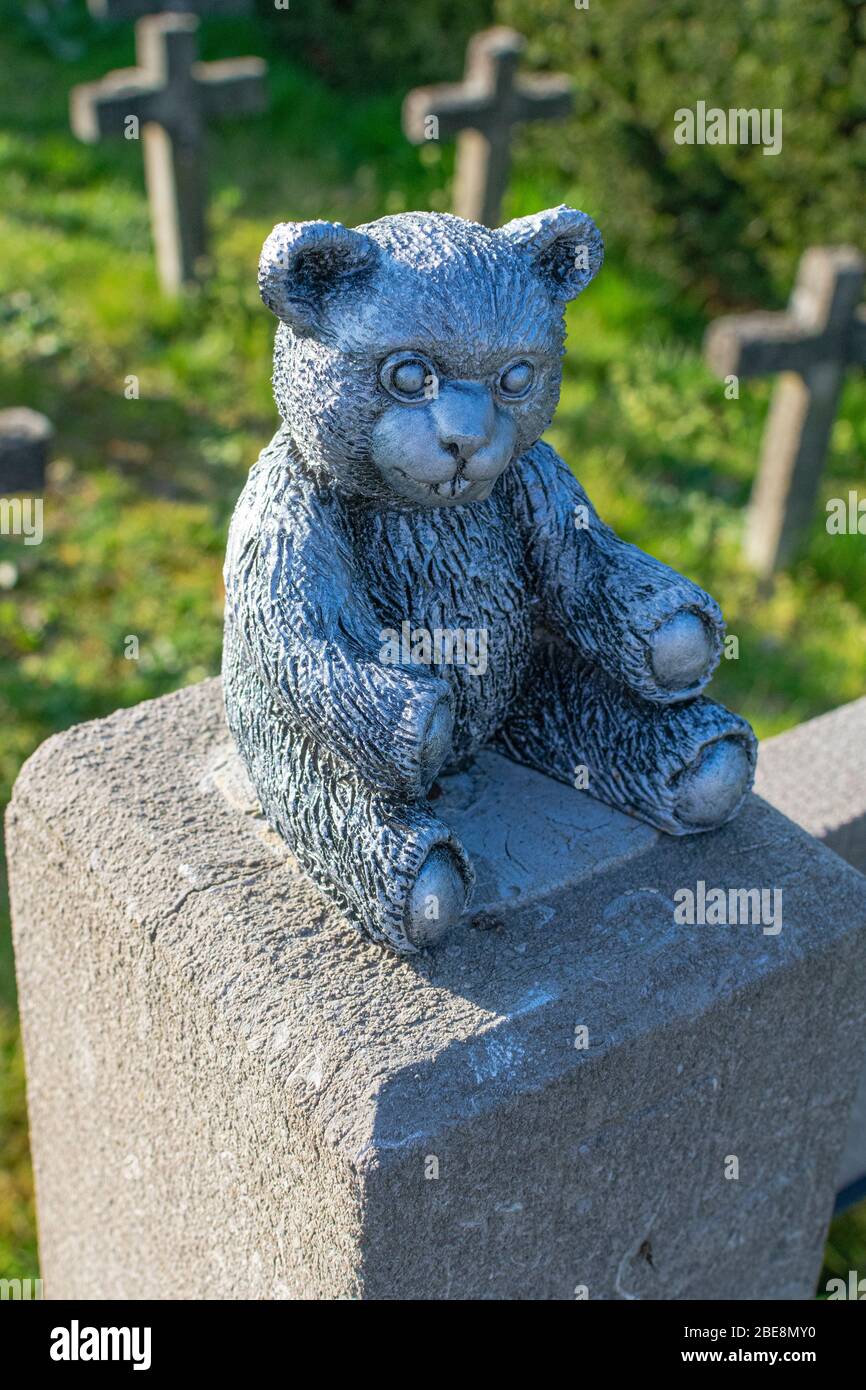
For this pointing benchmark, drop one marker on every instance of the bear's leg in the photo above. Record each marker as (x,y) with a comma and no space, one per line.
(394,870)
(682,767)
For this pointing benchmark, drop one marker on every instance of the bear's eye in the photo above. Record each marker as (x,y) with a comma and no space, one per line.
(408,376)
(516,380)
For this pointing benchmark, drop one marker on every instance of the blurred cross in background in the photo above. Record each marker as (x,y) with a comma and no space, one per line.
(481,111)
(822,332)
(171,95)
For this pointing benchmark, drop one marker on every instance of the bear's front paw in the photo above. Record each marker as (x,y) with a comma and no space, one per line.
(682,651)
(436,739)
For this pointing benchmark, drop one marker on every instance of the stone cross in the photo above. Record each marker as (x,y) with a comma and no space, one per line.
(25,440)
(480,111)
(822,332)
(172,95)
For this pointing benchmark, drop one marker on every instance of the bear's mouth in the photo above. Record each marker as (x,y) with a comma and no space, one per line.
(453,487)
(456,489)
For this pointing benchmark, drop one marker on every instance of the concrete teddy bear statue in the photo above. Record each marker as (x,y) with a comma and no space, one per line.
(417,364)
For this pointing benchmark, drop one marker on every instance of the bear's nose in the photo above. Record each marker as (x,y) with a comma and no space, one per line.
(464,418)
(463,446)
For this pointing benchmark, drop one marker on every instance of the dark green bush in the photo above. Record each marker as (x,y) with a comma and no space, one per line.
(371,43)
(724,220)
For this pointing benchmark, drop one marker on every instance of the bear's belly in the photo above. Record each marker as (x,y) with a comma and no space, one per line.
(450,589)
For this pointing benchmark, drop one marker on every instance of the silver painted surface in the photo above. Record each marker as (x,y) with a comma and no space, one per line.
(417,363)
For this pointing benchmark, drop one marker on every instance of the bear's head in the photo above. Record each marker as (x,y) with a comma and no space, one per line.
(419,355)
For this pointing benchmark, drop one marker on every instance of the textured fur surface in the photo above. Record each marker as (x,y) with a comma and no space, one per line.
(417,363)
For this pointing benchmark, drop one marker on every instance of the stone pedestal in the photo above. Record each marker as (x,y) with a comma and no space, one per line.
(816,774)
(233,1096)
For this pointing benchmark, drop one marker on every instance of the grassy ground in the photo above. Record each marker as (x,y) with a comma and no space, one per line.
(141,489)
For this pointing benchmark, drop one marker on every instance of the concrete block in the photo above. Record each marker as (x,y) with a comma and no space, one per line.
(234,1096)
(816,774)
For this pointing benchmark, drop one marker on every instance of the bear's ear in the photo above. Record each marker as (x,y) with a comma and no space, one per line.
(565,246)
(303,263)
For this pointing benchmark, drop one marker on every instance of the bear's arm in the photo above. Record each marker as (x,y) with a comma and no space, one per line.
(601,594)
(308,627)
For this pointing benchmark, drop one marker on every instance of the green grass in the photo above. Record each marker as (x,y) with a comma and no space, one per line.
(141,490)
